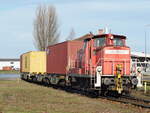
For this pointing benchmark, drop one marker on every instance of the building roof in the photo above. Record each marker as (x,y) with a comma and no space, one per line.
(139,54)
(84,37)
(9,59)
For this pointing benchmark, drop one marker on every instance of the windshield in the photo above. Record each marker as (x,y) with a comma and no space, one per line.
(99,42)
(118,42)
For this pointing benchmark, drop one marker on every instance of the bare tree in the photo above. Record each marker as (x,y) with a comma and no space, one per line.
(45,27)
(71,35)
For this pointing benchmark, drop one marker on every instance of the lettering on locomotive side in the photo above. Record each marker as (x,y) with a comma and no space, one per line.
(116,51)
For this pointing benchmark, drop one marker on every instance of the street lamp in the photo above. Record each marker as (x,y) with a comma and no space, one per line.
(145,46)
(147,25)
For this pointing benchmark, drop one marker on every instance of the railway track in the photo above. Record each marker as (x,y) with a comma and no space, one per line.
(137,99)
(122,99)
(130,100)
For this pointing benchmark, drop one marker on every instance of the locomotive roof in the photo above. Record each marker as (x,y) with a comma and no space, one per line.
(120,36)
(90,36)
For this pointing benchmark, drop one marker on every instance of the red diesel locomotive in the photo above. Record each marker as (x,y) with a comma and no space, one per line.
(93,63)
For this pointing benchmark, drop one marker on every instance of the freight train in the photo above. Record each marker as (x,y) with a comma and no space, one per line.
(95,63)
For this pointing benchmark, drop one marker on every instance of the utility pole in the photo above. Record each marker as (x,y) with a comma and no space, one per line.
(145,47)
(147,25)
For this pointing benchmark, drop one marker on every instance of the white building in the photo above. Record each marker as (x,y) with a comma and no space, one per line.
(140,55)
(142,61)
(14,63)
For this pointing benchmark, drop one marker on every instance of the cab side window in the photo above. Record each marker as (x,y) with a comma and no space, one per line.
(98,42)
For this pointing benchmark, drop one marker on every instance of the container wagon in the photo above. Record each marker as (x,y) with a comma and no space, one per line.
(33,65)
(59,58)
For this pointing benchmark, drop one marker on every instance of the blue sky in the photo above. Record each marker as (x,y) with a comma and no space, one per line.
(127,17)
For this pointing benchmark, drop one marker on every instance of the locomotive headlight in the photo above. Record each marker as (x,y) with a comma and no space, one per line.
(134,81)
(98,68)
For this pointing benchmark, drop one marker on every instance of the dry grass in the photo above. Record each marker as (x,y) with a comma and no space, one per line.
(9,72)
(23,97)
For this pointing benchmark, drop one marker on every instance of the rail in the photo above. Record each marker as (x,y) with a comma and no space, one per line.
(129,100)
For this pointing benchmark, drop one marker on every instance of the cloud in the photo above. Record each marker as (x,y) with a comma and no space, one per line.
(123,17)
